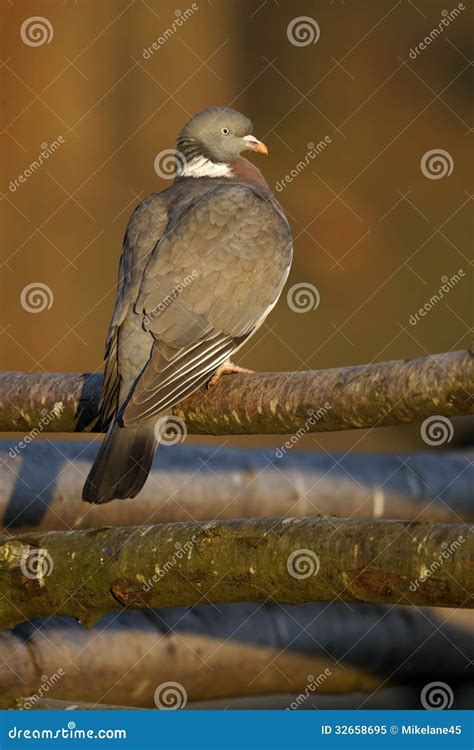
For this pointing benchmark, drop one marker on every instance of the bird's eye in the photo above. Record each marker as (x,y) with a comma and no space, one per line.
(225,131)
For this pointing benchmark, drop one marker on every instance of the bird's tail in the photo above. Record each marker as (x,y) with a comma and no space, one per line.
(122,464)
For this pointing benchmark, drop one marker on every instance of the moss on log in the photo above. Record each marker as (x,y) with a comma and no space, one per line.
(385,393)
(86,573)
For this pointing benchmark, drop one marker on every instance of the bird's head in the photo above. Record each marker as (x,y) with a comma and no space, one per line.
(217,135)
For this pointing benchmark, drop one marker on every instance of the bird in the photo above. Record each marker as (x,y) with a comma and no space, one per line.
(203,263)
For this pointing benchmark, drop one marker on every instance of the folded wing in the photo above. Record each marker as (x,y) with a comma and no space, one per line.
(209,283)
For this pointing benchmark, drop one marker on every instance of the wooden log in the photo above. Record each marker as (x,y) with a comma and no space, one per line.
(235,649)
(41,485)
(32,703)
(384,393)
(87,573)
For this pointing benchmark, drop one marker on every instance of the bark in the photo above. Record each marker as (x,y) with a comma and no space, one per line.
(236,649)
(31,703)
(386,393)
(41,485)
(87,573)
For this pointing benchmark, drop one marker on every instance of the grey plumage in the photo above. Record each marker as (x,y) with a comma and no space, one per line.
(203,263)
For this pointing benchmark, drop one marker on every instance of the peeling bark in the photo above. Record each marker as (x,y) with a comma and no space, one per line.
(87,573)
(385,393)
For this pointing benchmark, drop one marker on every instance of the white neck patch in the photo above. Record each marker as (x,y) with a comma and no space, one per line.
(199,166)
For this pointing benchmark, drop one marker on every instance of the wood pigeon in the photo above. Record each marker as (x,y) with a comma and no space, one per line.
(203,263)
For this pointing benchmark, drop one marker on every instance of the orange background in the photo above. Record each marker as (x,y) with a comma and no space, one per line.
(372,233)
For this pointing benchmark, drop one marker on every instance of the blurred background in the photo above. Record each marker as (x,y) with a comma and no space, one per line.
(379,221)
(366,110)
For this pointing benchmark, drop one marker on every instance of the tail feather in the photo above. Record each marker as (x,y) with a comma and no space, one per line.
(122,465)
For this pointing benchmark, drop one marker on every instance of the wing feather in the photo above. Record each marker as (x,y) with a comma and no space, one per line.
(144,230)
(193,368)
(219,266)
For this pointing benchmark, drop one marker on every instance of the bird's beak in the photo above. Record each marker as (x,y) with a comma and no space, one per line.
(255,145)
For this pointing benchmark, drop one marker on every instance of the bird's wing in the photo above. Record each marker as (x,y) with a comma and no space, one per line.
(209,283)
(146,227)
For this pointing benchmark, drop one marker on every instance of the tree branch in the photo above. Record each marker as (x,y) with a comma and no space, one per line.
(33,703)
(385,393)
(235,649)
(41,485)
(86,573)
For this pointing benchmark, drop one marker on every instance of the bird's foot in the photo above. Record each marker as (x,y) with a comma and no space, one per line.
(227,368)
